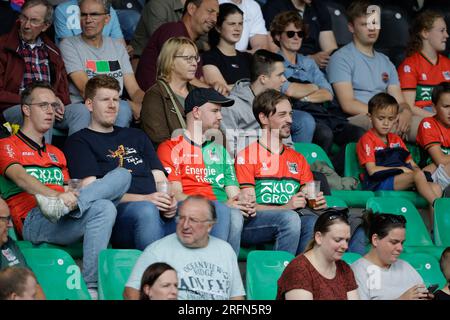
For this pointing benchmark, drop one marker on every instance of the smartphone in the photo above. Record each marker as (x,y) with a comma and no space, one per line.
(432,288)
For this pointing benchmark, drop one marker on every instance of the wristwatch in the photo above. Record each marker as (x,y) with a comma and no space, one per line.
(304,99)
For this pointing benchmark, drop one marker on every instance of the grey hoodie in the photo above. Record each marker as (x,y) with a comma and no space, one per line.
(239,123)
(238,120)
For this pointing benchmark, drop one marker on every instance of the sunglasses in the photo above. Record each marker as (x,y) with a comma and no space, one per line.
(337,215)
(291,34)
(392,218)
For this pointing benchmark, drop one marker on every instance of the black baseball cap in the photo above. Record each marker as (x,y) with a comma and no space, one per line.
(199,96)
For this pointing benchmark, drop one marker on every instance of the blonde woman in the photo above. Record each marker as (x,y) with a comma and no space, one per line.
(163,106)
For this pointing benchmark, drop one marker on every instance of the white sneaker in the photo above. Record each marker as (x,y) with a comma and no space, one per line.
(52,208)
(94,293)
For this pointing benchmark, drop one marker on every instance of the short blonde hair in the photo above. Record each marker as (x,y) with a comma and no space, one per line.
(168,52)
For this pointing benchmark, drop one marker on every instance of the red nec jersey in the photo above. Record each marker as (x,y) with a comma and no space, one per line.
(276,177)
(201,169)
(417,73)
(430,132)
(370,143)
(46,164)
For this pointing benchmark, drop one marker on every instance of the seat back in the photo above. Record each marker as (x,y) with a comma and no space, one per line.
(334,201)
(427,266)
(416,232)
(442,222)
(352,167)
(312,152)
(395,24)
(57,273)
(339,22)
(264,268)
(351,257)
(114,269)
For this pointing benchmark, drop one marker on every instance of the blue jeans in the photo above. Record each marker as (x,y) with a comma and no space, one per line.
(303,126)
(128,20)
(92,222)
(358,241)
(138,224)
(291,231)
(76,117)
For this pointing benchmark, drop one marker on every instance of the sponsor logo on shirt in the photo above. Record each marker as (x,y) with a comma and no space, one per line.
(240,160)
(407,69)
(10,151)
(111,68)
(236,66)
(53,157)
(385,77)
(264,166)
(446,75)
(27,153)
(292,167)
(427,125)
(368,150)
(424,76)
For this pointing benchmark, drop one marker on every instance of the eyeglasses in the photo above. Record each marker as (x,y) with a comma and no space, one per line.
(300,34)
(392,218)
(191,220)
(93,15)
(189,59)
(33,21)
(6,219)
(45,105)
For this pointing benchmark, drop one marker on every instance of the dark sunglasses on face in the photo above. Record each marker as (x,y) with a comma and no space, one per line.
(6,219)
(300,34)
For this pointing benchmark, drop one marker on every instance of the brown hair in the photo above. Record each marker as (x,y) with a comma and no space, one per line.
(282,20)
(266,103)
(99,82)
(262,63)
(13,280)
(151,274)
(356,9)
(381,223)
(382,101)
(423,22)
(324,223)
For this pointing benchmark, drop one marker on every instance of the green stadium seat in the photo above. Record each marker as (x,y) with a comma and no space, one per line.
(312,152)
(417,236)
(75,250)
(333,201)
(412,196)
(114,269)
(264,268)
(353,198)
(415,151)
(12,234)
(351,257)
(57,273)
(427,266)
(442,222)
(352,167)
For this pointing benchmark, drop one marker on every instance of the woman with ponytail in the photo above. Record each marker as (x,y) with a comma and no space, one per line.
(380,274)
(319,273)
(424,66)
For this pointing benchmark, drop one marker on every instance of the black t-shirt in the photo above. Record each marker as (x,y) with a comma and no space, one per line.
(91,153)
(233,68)
(11,256)
(315,16)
